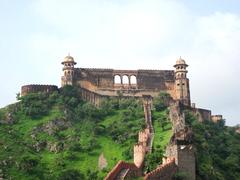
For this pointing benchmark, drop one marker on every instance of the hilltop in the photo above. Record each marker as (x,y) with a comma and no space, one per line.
(59,136)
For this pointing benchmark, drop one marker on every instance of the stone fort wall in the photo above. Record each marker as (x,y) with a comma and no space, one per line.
(130,82)
(165,171)
(35,88)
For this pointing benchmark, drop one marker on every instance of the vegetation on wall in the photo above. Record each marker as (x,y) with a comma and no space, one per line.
(217,149)
(162,132)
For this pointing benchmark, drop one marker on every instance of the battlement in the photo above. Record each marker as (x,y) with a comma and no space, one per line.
(129,168)
(139,154)
(35,88)
(165,171)
(143,136)
(184,158)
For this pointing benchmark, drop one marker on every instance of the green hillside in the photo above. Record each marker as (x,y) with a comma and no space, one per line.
(59,136)
(217,149)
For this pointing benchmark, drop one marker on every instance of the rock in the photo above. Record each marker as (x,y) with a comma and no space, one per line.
(39,145)
(55,147)
(56,125)
(102,162)
(51,127)
(9,119)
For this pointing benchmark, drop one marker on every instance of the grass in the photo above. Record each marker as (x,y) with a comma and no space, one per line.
(161,135)
(124,122)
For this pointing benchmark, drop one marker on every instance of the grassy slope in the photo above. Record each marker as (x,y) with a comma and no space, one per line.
(16,142)
(161,136)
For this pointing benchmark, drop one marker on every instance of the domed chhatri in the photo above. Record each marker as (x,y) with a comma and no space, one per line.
(68,70)
(69,59)
(180,61)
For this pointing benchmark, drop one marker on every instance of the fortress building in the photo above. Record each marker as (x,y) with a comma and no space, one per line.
(96,83)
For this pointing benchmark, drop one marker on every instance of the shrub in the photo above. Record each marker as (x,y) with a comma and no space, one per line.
(161,102)
(71,174)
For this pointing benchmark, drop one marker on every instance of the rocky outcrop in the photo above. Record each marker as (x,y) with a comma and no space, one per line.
(8,120)
(51,127)
(55,147)
(39,145)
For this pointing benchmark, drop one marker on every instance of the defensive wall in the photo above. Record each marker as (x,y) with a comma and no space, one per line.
(97,84)
(35,88)
(165,171)
(184,158)
(130,169)
(134,83)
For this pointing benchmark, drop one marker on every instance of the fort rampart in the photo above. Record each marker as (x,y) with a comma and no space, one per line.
(35,88)
(131,171)
(164,172)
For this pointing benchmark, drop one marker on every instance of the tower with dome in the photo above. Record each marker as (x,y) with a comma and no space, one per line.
(97,83)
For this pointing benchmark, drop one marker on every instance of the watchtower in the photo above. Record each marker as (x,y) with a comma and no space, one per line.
(182,91)
(68,70)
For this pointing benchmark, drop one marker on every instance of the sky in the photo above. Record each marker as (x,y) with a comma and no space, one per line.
(36,35)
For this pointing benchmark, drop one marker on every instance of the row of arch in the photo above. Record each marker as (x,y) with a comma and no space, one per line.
(68,73)
(181,75)
(125,79)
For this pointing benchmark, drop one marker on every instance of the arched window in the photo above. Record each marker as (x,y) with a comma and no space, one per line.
(133,79)
(125,79)
(117,79)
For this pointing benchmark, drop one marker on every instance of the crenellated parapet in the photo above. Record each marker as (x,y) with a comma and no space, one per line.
(35,88)
(123,170)
(139,154)
(143,136)
(164,172)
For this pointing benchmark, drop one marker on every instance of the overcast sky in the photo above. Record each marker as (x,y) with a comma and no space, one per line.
(125,34)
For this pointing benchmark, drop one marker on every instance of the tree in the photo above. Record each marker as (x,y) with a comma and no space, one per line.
(71,174)
(161,102)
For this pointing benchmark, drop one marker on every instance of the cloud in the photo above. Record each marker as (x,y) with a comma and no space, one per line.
(148,34)
(107,31)
(214,63)
(133,34)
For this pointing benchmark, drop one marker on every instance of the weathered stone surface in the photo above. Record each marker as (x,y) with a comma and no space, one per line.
(34,88)
(55,146)
(9,119)
(51,127)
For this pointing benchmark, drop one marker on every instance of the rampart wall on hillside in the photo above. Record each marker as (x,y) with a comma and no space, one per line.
(165,171)
(180,147)
(35,88)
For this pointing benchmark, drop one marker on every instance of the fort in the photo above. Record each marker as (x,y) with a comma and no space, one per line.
(97,84)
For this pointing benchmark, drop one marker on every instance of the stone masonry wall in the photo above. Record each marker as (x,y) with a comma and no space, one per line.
(146,79)
(34,88)
(164,172)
